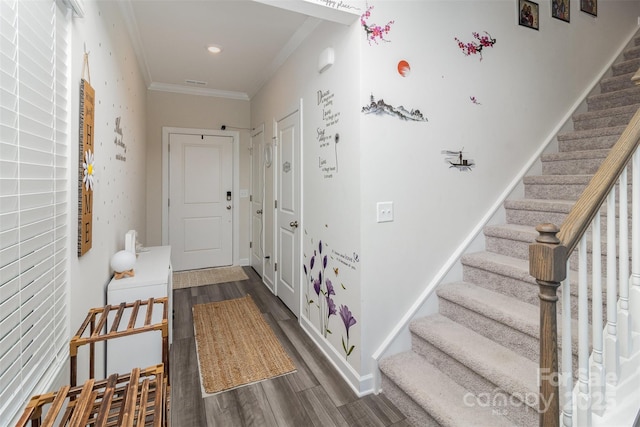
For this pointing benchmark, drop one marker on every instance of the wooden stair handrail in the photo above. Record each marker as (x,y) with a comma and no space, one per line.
(548,259)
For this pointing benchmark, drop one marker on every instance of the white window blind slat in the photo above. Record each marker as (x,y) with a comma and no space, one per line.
(34,193)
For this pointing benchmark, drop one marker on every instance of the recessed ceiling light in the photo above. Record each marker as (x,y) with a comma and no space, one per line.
(214,49)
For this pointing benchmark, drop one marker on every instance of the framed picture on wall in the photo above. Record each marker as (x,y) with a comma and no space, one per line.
(589,6)
(528,14)
(560,9)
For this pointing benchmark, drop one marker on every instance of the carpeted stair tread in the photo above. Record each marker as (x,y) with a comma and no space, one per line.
(559,206)
(438,394)
(573,162)
(602,119)
(522,233)
(611,84)
(505,368)
(494,305)
(625,67)
(618,98)
(557,179)
(631,53)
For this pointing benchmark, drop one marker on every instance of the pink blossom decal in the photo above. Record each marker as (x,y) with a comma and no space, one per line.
(475,47)
(374,32)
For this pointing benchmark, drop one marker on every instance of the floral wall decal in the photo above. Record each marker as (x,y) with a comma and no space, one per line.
(475,47)
(374,32)
(474,100)
(318,282)
(380,107)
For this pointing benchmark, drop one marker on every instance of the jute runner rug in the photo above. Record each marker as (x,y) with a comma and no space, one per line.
(208,276)
(236,346)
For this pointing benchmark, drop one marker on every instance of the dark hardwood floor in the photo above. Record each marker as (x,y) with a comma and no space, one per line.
(315,395)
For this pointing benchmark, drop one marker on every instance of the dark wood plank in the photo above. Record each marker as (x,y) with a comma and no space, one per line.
(359,414)
(287,407)
(383,409)
(321,409)
(187,409)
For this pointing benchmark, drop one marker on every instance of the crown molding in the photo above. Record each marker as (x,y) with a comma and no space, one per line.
(188,90)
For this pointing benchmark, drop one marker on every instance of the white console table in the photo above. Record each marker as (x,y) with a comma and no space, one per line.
(152,278)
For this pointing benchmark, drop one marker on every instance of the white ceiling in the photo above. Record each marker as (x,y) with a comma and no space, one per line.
(171,37)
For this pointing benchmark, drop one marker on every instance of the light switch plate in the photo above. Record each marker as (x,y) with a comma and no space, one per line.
(384,211)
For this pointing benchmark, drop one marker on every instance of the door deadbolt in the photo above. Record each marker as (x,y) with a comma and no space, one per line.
(229,207)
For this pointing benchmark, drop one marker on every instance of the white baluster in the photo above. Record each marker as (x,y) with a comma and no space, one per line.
(634,292)
(566,372)
(584,397)
(612,363)
(598,385)
(624,320)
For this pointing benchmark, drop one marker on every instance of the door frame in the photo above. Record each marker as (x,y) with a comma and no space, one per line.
(166,133)
(276,158)
(255,132)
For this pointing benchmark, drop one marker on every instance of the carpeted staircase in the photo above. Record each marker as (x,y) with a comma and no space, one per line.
(475,362)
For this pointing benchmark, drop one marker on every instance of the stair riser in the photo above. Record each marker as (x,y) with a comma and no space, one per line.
(631,53)
(554,191)
(613,100)
(559,191)
(571,167)
(533,218)
(416,415)
(625,67)
(597,121)
(589,143)
(519,413)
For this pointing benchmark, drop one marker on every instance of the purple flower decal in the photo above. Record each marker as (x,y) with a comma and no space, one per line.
(311,262)
(331,306)
(316,286)
(320,246)
(330,290)
(324,262)
(347,318)
(349,321)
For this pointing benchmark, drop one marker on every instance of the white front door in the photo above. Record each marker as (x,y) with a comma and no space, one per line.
(257,195)
(200,201)
(289,227)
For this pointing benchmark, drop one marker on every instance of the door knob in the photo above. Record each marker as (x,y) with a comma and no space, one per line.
(259,211)
(229,207)
(293,224)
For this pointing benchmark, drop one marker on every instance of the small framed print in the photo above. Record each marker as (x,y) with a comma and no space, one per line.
(560,9)
(589,6)
(528,14)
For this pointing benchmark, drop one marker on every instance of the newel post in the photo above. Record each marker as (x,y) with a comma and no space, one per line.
(547,264)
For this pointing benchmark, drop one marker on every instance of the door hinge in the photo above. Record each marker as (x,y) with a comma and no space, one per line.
(169,203)
(251,197)
(276,204)
(276,266)
(250,245)
(169,148)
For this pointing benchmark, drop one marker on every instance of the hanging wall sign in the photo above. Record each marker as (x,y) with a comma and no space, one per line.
(86,165)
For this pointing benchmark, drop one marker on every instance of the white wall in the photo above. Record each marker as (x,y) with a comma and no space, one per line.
(331,172)
(196,112)
(119,192)
(525,83)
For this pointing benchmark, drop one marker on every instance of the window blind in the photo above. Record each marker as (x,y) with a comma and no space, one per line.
(34,184)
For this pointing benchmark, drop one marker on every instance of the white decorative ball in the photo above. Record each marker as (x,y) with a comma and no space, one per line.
(123,261)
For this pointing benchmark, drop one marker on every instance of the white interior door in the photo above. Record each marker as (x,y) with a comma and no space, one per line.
(200,202)
(289,227)
(257,197)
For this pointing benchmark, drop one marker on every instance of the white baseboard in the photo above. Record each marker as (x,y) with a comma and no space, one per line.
(361,385)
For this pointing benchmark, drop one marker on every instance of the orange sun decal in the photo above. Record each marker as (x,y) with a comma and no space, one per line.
(403,68)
